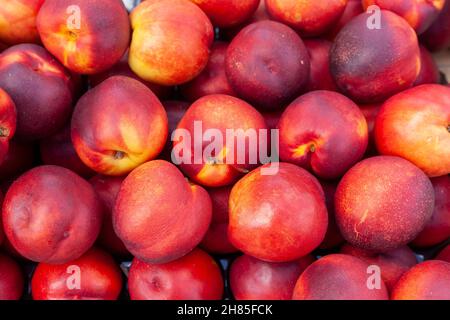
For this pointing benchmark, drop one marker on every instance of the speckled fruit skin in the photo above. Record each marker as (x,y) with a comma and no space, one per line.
(383,203)
(107,189)
(219,112)
(319,55)
(253,279)
(428,280)
(118,125)
(11,279)
(369,72)
(213,79)
(122,68)
(323,131)
(159,215)
(18,21)
(93,46)
(393,264)
(309,18)
(195,276)
(415,125)
(228,13)
(267,76)
(419,14)
(437,37)
(216,239)
(58,150)
(41,88)
(166,48)
(51,215)
(437,229)
(337,277)
(444,255)
(429,70)
(8,122)
(333,237)
(279,217)
(100,279)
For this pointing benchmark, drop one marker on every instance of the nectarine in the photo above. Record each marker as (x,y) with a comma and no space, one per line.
(51,215)
(11,279)
(8,122)
(159,215)
(118,125)
(279,217)
(195,276)
(383,203)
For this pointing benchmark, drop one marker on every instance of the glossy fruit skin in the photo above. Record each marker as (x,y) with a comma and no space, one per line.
(253,279)
(337,277)
(216,239)
(368,72)
(277,217)
(309,18)
(41,88)
(220,113)
(160,29)
(419,14)
(383,203)
(324,132)
(118,125)
(51,215)
(11,279)
(428,280)
(410,120)
(18,21)
(90,45)
(268,77)
(8,122)
(437,37)
(228,13)
(58,150)
(213,79)
(159,215)
(100,278)
(352,9)
(107,189)
(196,276)
(393,264)
(437,229)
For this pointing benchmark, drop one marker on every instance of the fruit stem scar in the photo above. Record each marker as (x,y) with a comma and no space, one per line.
(312,148)
(118,155)
(448,127)
(3,132)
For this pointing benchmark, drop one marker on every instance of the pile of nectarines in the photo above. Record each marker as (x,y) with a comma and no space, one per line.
(211,149)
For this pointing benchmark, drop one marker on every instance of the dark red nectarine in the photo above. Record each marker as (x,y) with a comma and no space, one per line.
(372,64)
(437,37)
(11,279)
(265,75)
